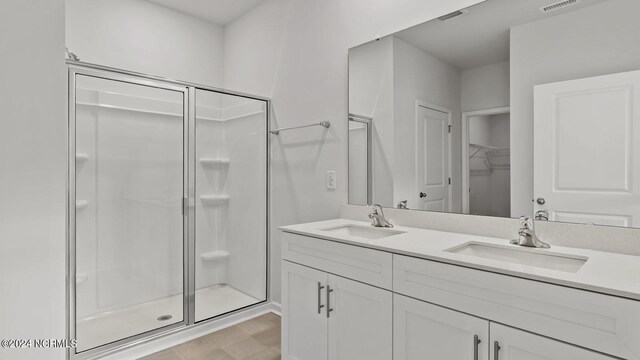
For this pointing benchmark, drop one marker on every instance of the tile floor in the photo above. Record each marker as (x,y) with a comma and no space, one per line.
(255,339)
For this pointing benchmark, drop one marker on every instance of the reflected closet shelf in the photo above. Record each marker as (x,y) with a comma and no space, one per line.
(213,161)
(214,200)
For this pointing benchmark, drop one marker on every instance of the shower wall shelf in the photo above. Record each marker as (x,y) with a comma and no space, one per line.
(80,157)
(81,204)
(81,277)
(214,199)
(213,161)
(215,255)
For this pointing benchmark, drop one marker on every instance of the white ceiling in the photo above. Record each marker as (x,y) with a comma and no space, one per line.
(481,36)
(219,12)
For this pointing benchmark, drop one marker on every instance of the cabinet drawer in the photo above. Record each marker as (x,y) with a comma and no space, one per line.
(353,262)
(600,322)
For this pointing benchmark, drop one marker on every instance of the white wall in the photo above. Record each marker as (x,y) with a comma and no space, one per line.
(302,66)
(580,49)
(140,36)
(485,87)
(33,174)
(420,76)
(371,94)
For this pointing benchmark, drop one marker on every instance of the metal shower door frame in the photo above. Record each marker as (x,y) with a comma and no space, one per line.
(188,204)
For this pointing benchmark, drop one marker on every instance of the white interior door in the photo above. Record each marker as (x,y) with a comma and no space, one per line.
(515,344)
(432,156)
(426,331)
(360,325)
(304,322)
(586,143)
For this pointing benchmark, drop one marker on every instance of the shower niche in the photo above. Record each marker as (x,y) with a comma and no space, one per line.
(167,206)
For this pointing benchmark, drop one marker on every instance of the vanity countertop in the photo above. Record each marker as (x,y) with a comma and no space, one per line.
(603,272)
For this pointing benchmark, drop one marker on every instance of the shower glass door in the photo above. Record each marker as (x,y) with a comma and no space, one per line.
(230,203)
(127,226)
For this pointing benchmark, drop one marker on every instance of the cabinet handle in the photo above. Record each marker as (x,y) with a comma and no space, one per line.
(320,306)
(329,309)
(476,342)
(496,350)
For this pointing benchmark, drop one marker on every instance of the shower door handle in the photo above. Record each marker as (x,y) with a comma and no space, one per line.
(496,350)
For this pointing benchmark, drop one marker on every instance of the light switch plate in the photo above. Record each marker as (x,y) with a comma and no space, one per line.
(331,180)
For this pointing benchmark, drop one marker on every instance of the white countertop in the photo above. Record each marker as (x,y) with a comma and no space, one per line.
(607,273)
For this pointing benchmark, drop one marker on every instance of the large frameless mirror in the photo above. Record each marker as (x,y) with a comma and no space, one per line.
(505,108)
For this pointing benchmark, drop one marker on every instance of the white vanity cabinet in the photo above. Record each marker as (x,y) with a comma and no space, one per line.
(425,331)
(304,321)
(512,344)
(343,301)
(326,316)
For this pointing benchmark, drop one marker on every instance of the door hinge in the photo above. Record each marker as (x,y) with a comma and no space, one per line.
(449,181)
(449,129)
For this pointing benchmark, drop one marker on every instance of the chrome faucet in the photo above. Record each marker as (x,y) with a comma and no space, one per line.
(377,217)
(402,205)
(526,235)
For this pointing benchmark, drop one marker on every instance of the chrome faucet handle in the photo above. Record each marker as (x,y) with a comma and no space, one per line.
(402,204)
(527,237)
(526,223)
(377,217)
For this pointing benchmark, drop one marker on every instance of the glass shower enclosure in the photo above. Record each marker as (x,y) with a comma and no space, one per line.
(167,206)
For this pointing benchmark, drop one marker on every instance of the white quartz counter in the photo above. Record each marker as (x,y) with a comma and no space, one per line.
(603,272)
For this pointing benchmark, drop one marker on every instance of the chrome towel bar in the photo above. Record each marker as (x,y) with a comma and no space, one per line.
(325,124)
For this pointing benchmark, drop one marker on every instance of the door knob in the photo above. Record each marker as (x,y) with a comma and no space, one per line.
(540,201)
(423,195)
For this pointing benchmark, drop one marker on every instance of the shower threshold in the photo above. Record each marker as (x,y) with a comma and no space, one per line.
(103,328)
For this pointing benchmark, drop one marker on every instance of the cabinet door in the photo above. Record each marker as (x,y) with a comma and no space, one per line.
(304,323)
(426,331)
(520,345)
(360,321)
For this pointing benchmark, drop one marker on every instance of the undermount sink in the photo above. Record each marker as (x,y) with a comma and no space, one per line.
(517,255)
(364,232)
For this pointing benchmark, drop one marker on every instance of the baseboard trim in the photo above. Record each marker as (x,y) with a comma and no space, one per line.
(276,308)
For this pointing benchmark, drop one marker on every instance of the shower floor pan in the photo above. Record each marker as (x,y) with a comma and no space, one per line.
(104,328)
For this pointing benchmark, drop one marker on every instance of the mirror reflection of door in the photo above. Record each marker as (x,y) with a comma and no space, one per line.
(487,175)
(360,160)
(586,163)
(433,158)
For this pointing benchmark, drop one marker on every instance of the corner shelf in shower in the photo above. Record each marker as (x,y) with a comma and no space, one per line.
(213,161)
(215,255)
(81,278)
(81,157)
(81,204)
(214,200)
